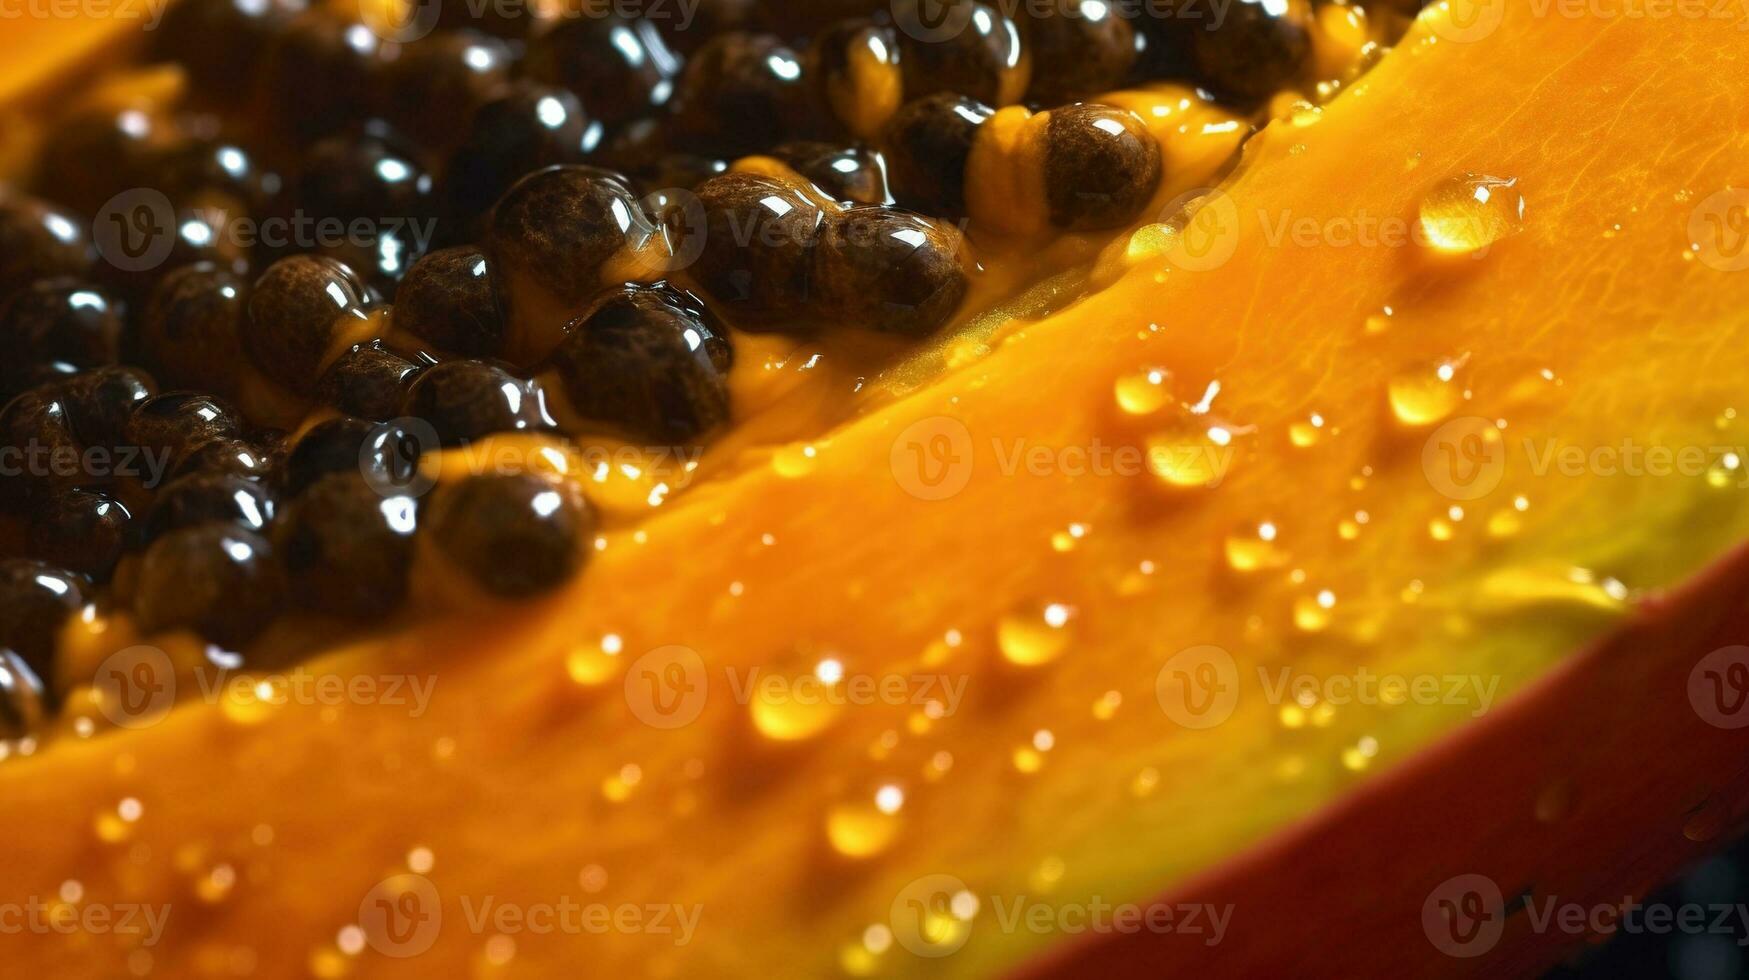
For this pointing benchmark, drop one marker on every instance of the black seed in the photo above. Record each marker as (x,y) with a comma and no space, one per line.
(743,92)
(368,381)
(619,68)
(889,270)
(211,172)
(803,18)
(1102,166)
(1258,49)
(35,425)
(756,256)
(433,89)
(929,143)
(557,239)
(22,698)
(201,498)
(531,126)
(511,21)
(39,240)
(236,457)
(1078,48)
(295,317)
(96,154)
(347,548)
(447,299)
(856,63)
(81,530)
(221,581)
(168,426)
(515,535)
(36,598)
(851,174)
(192,331)
(101,402)
(649,362)
(60,319)
(644,152)
(712,17)
(983,59)
(316,71)
(367,182)
(221,41)
(467,400)
(386,454)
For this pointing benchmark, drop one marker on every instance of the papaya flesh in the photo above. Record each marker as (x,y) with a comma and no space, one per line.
(1399,418)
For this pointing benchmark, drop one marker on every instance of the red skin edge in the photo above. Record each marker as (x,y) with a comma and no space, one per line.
(1611,729)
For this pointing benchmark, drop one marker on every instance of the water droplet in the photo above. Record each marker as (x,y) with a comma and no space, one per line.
(1549,583)
(1193,450)
(794,460)
(1066,539)
(1143,392)
(791,705)
(1256,547)
(1379,322)
(1555,802)
(1307,432)
(863,828)
(1035,634)
(1726,472)
(1426,394)
(594,664)
(1312,613)
(1463,215)
(1145,782)
(1706,821)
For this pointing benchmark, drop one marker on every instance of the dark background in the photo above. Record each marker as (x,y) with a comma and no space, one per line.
(1720,880)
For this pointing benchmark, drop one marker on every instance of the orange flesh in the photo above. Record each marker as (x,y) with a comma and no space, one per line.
(1056,595)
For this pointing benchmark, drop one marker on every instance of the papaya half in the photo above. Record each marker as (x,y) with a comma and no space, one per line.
(1351,565)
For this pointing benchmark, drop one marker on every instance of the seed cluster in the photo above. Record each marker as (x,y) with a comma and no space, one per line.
(245,293)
